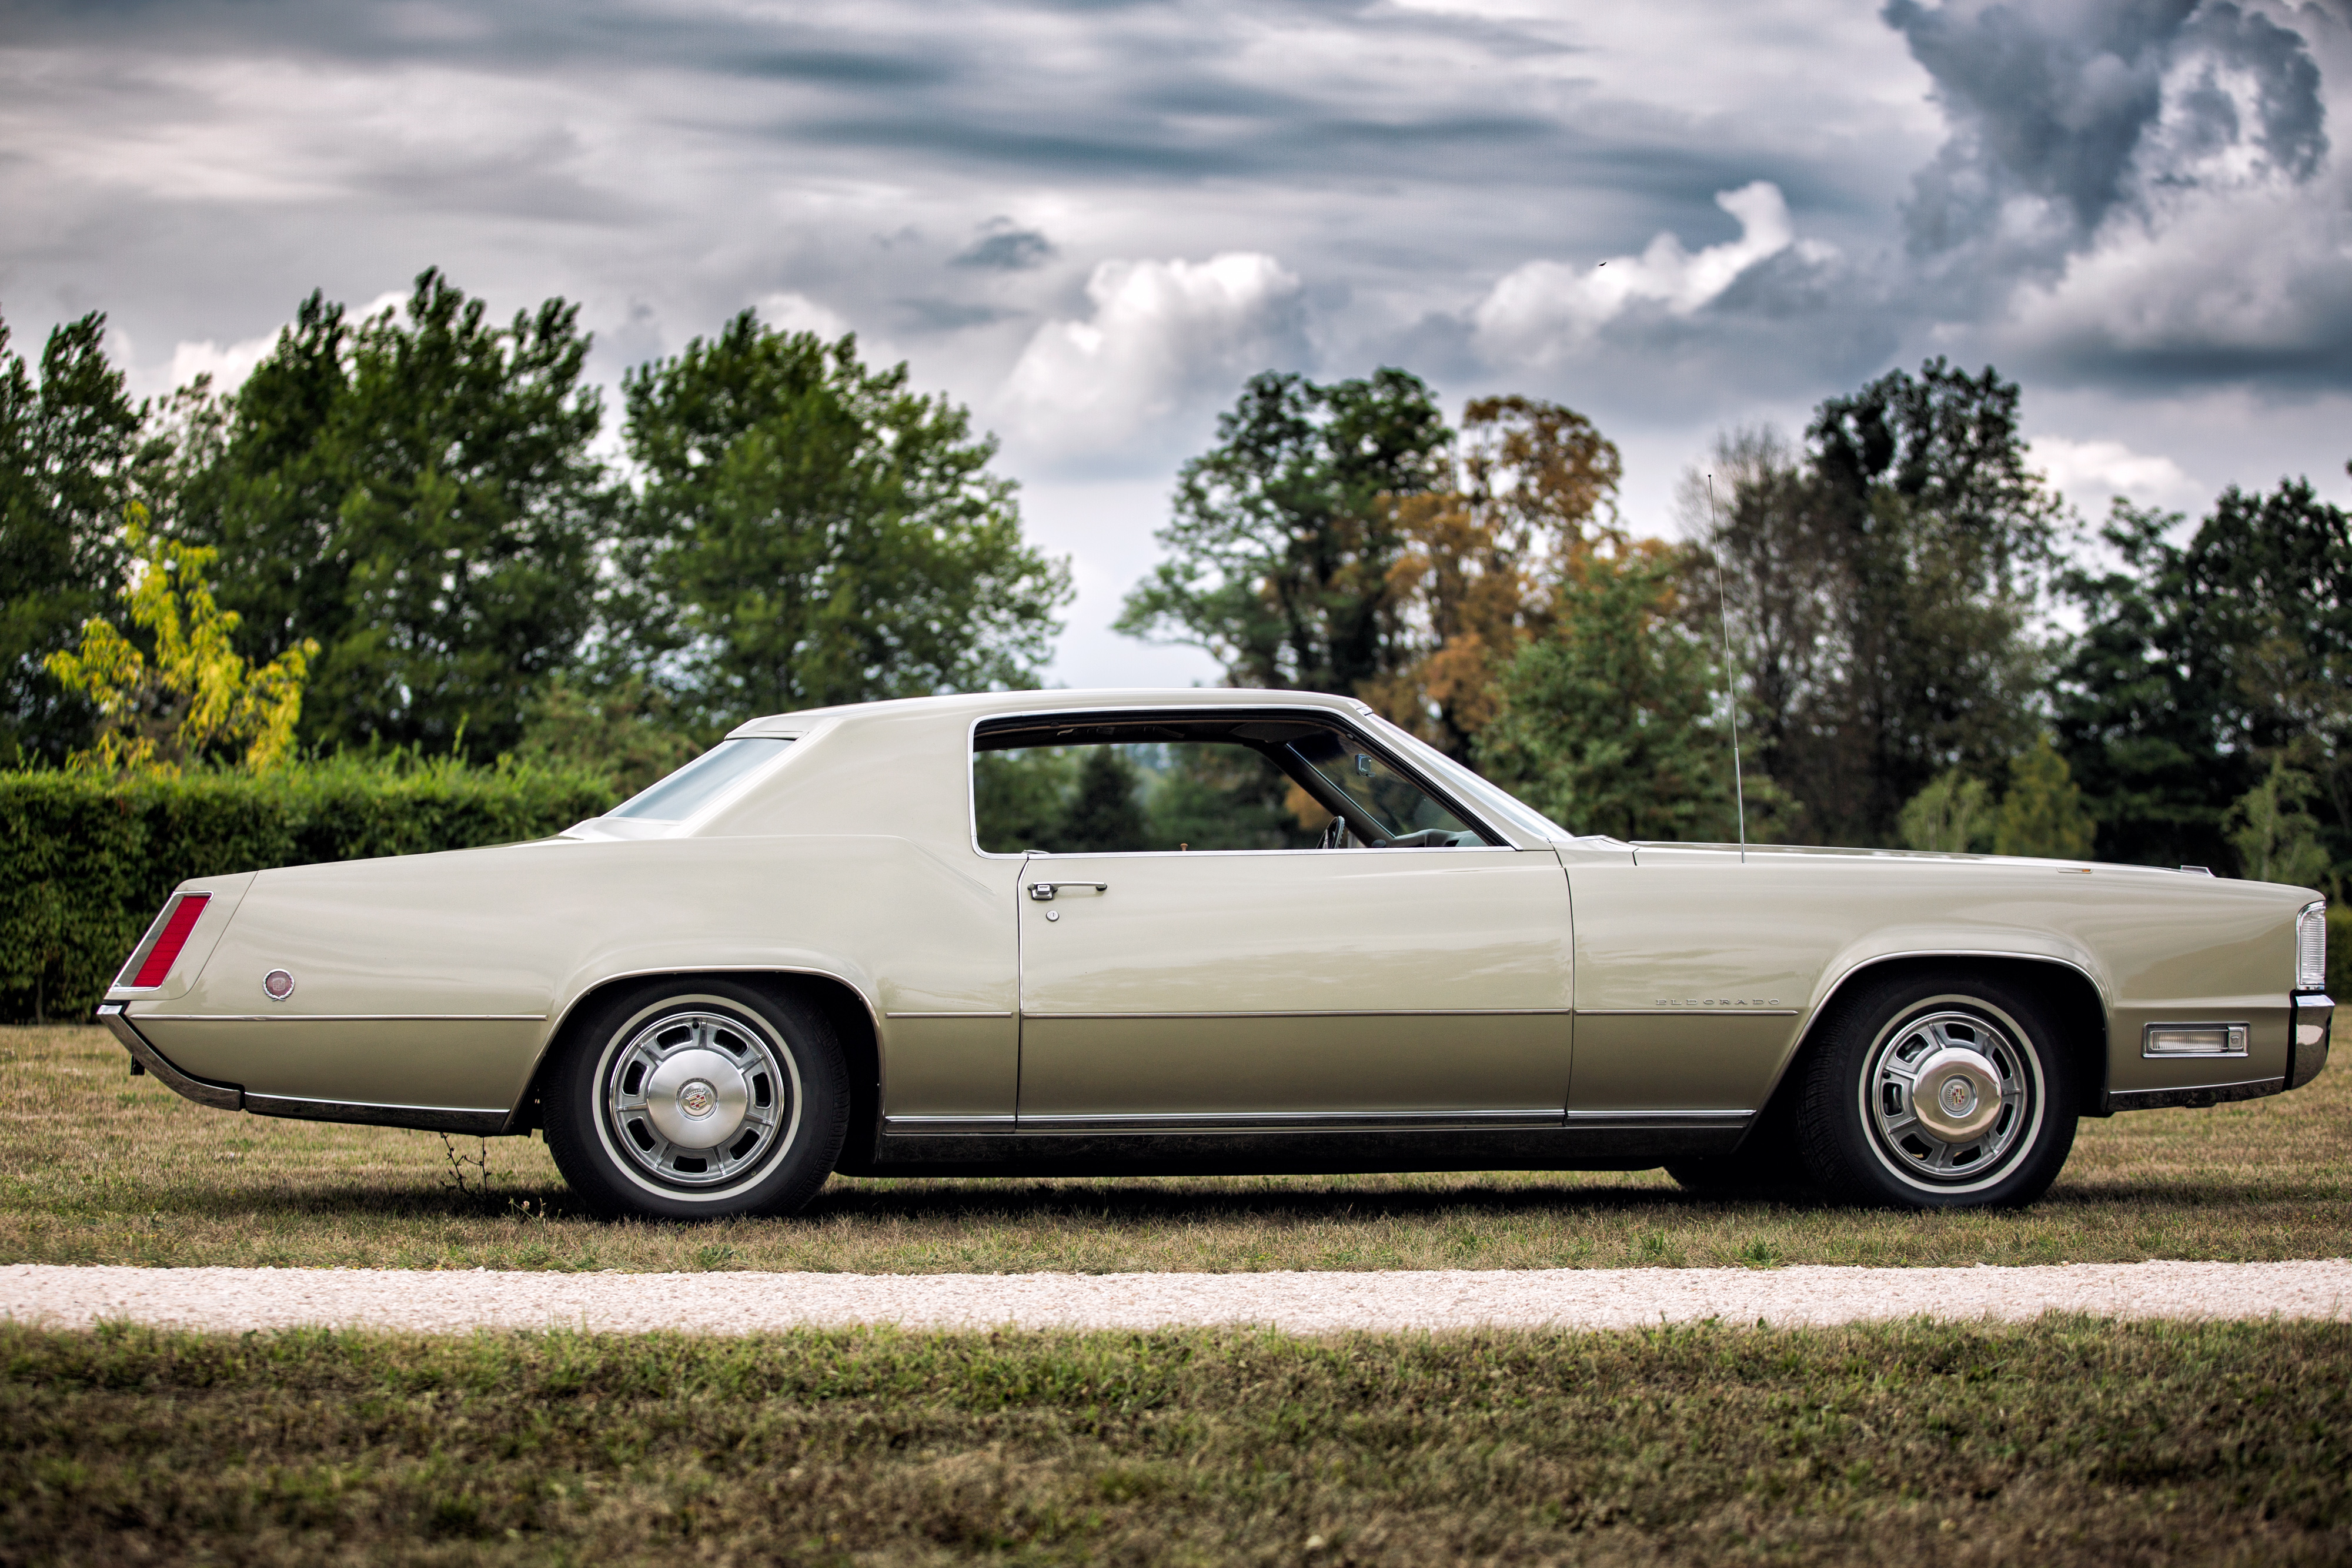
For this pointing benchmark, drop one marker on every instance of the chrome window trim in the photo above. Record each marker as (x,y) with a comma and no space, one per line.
(1440,763)
(1338,718)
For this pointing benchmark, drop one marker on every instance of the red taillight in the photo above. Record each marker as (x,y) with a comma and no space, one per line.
(172,935)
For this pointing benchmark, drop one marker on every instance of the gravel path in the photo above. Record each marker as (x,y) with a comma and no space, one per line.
(239,1299)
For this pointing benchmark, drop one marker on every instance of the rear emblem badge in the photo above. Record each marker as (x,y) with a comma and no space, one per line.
(279,984)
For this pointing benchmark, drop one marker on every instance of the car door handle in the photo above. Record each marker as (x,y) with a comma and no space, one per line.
(1042,892)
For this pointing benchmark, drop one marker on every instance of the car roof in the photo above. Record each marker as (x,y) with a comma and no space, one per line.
(976,704)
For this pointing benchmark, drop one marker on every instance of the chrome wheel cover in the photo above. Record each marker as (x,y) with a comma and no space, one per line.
(1948,1097)
(697,1099)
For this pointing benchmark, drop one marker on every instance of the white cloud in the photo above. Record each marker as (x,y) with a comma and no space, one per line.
(228,367)
(1163,335)
(2088,473)
(1544,307)
(799,313)
(2225,277)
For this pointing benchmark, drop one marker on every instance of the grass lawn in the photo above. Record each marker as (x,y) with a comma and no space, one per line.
(99,1168)
(2063,1442)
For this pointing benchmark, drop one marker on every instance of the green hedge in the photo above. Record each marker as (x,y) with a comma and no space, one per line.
(86,861)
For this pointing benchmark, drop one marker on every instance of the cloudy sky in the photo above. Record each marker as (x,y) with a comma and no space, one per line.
(1090,221)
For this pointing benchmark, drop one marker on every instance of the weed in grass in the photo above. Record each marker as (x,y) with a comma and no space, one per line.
(2267,1179)
(468,1174)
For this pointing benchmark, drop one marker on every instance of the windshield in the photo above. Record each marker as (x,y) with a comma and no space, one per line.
(1521,816)
(703,781)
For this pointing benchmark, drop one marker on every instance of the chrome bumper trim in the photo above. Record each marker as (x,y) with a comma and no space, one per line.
(2307,1053)
(1305,1013)
(1290,1122)
(204,1092)
(348,1017)
(1659,1118)
(423,1118)
(946,1126)
(2203,1095)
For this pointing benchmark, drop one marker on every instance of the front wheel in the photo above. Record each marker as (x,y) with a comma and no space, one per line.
(1938,1090)
(697,1099)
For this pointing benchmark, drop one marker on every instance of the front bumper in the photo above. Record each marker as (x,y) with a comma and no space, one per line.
(2306,1050)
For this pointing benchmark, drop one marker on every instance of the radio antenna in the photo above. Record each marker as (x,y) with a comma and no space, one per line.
(1730,686)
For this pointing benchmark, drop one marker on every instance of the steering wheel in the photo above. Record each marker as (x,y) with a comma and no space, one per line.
(1335,833)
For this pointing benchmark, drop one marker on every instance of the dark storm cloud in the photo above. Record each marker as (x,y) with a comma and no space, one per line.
(1004,246)
(2293,132)
(842,67)
(2135,193)
(1158,95)
(2065,101)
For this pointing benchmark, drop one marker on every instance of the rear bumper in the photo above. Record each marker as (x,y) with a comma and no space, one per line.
(233,1097)
(203,1090)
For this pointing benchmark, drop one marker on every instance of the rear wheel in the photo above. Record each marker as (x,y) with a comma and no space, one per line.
(697,1099)
(1938,1090)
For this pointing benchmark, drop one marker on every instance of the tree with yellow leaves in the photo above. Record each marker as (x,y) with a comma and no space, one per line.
(197,696)
(1484,563)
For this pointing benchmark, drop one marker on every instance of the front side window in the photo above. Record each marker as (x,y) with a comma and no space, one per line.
(1196,784)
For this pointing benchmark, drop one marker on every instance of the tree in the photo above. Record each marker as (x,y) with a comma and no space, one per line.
(1285,532)
(811,531)
(1887,581)
(1608,723)
(2207,664)
(67,440)
(416,494)
(2043,814)
(270,501)
(2275,838)
(1953,815)
(1483,560)
(196,697)
(629,732)
(1106,814)
(1021,799)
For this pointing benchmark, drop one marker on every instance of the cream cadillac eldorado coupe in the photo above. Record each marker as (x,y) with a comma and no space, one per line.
(1126,932)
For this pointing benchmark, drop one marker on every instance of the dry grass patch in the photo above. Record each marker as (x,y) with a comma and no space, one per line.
(2065,1442)
(99,1168)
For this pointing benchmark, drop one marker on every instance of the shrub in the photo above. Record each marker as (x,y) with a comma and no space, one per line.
(88,859)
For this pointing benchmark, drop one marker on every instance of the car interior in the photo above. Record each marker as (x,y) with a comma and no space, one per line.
(1120,784)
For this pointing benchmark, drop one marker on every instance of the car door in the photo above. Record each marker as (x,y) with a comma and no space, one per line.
(1346,985)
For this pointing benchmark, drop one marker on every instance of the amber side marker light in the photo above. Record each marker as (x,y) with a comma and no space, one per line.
(161,950)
